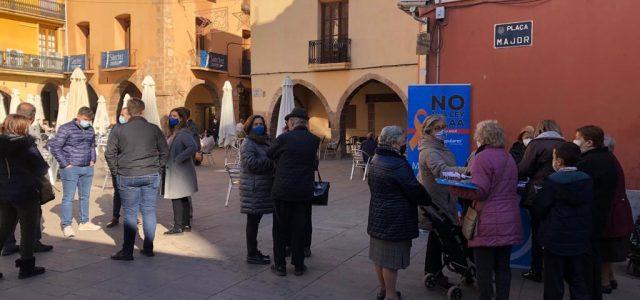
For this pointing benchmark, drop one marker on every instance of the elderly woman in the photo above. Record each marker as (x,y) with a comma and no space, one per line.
(393,211)
(256,180)
(496,200)
(524,137)
(536,164)
(436,158)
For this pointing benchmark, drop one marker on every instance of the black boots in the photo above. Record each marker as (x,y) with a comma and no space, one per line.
(28,268)
(175,230)
(258,259)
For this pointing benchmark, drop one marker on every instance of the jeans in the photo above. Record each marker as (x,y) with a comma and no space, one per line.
(253,223)
(490,262)
(117,203)
(72,178)
(564,268)
(181,212)
(27,214)
(290,225)
(138,193)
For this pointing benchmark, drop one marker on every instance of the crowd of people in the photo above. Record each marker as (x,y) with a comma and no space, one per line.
(573,191)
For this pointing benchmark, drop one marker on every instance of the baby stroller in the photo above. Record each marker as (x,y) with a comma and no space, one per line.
(454,253)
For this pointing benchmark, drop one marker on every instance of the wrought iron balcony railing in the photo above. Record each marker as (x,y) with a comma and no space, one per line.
(46,8)
(30,62)
(330,51)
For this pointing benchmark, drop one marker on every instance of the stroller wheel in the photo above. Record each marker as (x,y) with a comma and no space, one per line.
(454,293)
(430,281)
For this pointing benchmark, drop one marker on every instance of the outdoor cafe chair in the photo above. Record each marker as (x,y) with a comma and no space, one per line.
(332,147)
(234,179)
(359,162)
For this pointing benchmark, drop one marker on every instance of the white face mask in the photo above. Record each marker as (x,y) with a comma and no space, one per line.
(478,144)
(578,142)
(526,142)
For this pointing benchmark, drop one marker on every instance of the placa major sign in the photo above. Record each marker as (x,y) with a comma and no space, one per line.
(518,34)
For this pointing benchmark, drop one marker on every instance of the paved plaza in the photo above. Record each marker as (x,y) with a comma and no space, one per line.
(209,263)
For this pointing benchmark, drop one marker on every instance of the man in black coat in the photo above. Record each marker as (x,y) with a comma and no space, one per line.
(599,163)
(295,155)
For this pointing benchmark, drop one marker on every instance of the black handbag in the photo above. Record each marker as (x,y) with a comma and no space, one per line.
(45,190)
(320,192)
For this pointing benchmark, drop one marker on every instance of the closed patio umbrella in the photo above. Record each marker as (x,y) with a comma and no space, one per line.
(286,104)
(15,101)
(125,100)
(227,133)
(37,102)
(78,96)
(62,112)
(3,111)
(149,99)
(101,121)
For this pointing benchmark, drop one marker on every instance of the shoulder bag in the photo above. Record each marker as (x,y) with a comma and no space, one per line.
(320,192)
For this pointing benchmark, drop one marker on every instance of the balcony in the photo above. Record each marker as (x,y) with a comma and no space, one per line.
(17,62)
(118,60)
(330,54)
(48,9)
(210,62)
(81,61)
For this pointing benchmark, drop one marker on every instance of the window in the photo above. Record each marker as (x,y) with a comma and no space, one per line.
(124,33)
(335,20)
(85,33)
(47,41)
(201,37)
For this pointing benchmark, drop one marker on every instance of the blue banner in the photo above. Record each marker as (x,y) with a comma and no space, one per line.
(114,59)
(217,62)
(451,100)
(72,62)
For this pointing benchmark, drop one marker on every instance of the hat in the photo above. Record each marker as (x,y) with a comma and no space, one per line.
(297,113)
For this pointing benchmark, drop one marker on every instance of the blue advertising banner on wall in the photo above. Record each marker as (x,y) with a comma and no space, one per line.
(72,62)
(212,60)
(451,100)
(114,59)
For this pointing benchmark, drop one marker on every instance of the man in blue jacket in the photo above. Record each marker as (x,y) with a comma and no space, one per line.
(564,208)
(74,147)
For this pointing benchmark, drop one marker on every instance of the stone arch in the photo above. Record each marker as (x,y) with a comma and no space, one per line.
(50,94)
(118,92)
(356,85)
(6,98)
(203,101)
(308,85)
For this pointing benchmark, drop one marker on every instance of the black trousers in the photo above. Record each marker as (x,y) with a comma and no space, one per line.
(27,214)
(181,212)
(117,203)
(493,262)
(433,258)
(11,241)
(253,223)
(290,225)
(559,269)
(537,255)
(592,266)
(309,228)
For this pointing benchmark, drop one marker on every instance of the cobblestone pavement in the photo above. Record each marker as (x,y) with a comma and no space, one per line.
(209,263)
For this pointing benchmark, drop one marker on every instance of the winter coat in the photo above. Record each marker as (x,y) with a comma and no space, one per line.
(435,158)
(600,164)
(517,151)
(564,207)
(256,177)
(294,153)
(496,175)
(74,145)
(21,167)
(395,196)
(536,162)
(620,224)
(180,178)
(136,148)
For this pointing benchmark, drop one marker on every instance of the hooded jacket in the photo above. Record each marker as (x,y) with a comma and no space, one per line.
(21,166)
(564,205)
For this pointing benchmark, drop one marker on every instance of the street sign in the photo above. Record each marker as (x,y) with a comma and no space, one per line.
(508,35)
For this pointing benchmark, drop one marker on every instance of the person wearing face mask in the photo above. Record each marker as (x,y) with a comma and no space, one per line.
(536,165)
(524,138)
(117,203)
(256,179)
(597,161)
(180,181)
(436,158)
(74,147)
(564,207)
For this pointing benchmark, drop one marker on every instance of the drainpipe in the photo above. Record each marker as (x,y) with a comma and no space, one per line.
(66,36)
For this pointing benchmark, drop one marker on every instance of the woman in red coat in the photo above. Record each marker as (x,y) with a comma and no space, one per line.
(615,245)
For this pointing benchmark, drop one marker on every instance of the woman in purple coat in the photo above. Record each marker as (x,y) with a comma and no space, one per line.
(498,226)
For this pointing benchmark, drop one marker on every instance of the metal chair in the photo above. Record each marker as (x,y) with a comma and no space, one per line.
(207,157)
(319,154)
(359,162)
(332,147)
(234,179)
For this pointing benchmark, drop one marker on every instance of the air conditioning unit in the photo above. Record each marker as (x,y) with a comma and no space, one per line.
(15,57)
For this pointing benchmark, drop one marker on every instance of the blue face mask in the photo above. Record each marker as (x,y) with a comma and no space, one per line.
(122,120)
(85,124)
(173,122)
(441,135)
(258,130)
